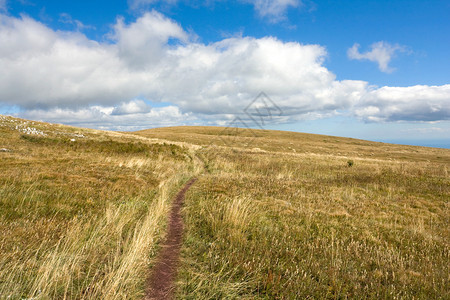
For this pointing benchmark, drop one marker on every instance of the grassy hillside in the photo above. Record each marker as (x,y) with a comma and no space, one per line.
(82,211)
(273,215)
(295,143)
(282,215)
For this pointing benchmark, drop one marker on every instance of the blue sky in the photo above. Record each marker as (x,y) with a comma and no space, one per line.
(376,70)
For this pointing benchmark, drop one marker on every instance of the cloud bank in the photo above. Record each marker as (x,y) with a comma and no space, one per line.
(62,76)
(128,116)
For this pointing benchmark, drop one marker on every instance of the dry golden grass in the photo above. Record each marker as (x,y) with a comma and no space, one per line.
(274,215)
(258,141)
(285,218)
(82,211)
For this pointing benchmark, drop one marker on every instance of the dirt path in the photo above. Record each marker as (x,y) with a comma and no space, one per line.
(160,284)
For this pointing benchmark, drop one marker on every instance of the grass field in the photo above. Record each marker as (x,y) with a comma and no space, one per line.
(273,215)
(286,217)
(82,211)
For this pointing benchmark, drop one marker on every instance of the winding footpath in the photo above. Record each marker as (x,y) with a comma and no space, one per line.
(160,284)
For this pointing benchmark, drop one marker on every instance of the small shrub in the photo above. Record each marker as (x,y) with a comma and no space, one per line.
(350,163)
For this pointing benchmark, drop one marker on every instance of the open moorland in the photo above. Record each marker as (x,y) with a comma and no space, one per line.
(272,215)
(82,211)
(282,215)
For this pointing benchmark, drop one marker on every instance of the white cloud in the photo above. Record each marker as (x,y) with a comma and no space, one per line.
(53,75)
(132,107)
(380,52)
(145,41)
(105,117)
(414,103)
(67,69)
(2,5)
(275,10)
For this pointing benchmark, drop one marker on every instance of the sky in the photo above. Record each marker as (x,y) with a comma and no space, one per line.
(375,70)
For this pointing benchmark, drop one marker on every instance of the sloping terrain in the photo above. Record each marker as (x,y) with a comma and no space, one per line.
(273,215)
(82,211)
(282,215)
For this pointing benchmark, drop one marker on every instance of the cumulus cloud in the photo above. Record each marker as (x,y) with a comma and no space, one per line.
(380,52)
(65,69)
(145,41)
(415,103)
(132,107)
(63,75)
(55,68)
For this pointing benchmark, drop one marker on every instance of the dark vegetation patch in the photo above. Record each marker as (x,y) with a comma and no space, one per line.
(108,146)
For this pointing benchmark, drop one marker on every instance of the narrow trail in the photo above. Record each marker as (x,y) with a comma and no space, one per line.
(160,284)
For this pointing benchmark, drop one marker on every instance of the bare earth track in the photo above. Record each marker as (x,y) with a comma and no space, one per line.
(160,284)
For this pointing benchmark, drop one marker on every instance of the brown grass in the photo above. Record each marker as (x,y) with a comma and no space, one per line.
(83,218)
(268,222)
(275,215)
